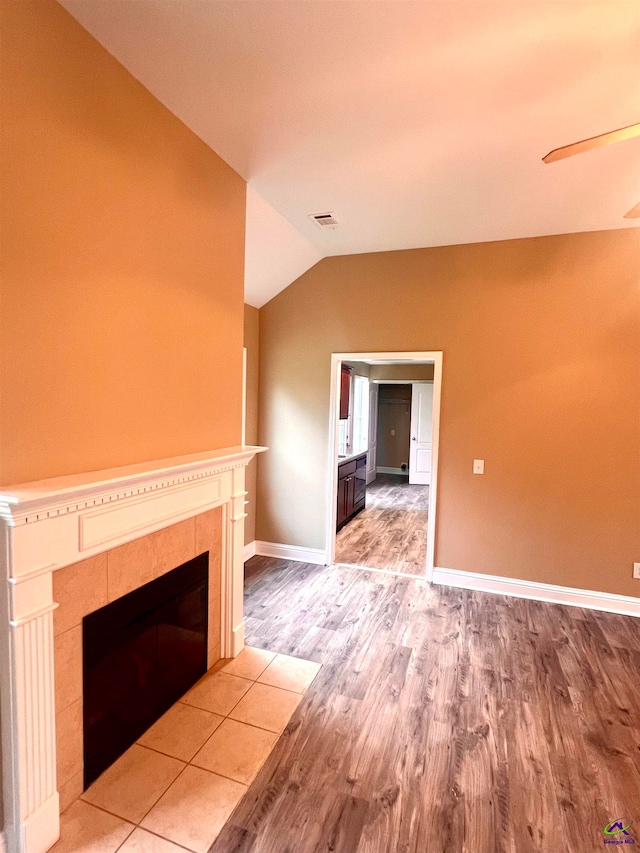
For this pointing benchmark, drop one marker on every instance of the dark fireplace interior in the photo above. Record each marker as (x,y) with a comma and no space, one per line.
(141,653)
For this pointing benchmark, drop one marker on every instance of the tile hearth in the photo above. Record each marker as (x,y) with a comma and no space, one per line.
(176,787)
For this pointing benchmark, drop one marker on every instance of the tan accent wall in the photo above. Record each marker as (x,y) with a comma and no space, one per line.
(359,368)
(401,372)
(122,263)
(252,345)
(541,379)
(1,792)
(394,416)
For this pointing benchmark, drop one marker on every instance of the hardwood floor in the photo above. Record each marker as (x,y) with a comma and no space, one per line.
(391,533)
(441,720)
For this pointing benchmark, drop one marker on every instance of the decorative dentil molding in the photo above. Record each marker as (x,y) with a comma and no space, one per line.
(24,504)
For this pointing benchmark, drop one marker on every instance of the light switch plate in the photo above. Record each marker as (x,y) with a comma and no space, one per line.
(478,466)
(636,571)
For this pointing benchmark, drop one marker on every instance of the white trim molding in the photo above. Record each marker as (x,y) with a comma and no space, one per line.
(53,523)
(609,602)
(381,469)
(317,556)
(434,357)
(249,550)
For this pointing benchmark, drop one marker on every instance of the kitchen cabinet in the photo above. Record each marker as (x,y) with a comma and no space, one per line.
(345,392)
(352,487)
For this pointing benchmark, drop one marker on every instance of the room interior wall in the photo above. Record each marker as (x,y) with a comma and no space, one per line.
(394,423)
(401,372)
(1,796)
(541,379)
(359,368)
(252,345)
(122,263)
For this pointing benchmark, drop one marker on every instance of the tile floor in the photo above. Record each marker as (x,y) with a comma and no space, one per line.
(176,787)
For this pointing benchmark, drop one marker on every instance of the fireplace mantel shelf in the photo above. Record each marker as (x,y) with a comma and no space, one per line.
(43,497)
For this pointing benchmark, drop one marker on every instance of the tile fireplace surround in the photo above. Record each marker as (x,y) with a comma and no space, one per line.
(79,542)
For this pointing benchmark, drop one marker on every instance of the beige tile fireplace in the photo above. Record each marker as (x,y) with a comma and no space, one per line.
(82,588)
(69,547)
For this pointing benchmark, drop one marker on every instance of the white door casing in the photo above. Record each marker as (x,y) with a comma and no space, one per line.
(420,450)
(422,357)
(372,450)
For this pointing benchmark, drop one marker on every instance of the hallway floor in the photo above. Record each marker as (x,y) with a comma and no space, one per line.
(391,533)
(442,719)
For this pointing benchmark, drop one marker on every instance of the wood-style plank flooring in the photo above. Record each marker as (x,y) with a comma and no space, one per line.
(441,720)
(391,533)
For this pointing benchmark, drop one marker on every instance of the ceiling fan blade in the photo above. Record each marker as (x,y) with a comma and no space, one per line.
(593,142)
(634,213)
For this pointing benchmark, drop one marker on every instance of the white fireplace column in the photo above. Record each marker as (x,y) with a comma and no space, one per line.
(28,709)
(47,525)
(232,580)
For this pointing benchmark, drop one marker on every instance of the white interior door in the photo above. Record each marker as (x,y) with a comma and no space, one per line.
(421,433)
(372,449)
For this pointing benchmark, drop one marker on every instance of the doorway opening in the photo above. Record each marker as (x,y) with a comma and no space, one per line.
(383,461)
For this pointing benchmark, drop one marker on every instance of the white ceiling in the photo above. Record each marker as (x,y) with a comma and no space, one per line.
(415,123)
(275,253)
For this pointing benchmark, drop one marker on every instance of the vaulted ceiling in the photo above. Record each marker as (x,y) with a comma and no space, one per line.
(415,123)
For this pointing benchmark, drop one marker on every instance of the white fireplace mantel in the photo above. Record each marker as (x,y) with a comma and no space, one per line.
(52,523)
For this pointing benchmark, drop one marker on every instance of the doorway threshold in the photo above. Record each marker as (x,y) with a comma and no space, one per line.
(379,571)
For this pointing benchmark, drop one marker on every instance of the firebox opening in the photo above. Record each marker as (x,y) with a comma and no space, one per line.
(141,653)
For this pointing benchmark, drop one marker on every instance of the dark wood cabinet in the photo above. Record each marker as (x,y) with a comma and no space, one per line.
(345,391)
(342,503)
(346,492)
(352,487)
(360,483)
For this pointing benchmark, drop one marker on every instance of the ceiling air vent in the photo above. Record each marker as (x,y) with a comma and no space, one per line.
(324,220)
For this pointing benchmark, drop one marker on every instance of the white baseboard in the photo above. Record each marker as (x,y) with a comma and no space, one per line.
(291,552)
(41,829)
(237,643)
(249,552)
(381,470)
(607,601)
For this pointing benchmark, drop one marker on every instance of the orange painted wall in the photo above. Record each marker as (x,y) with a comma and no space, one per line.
(122,263)
(541,379)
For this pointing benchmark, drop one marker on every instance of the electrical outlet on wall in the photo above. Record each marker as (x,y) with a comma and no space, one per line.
(478,466)
(636,571)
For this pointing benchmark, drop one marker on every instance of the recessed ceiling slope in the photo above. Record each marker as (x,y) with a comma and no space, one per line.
(415,123)
(275,253)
